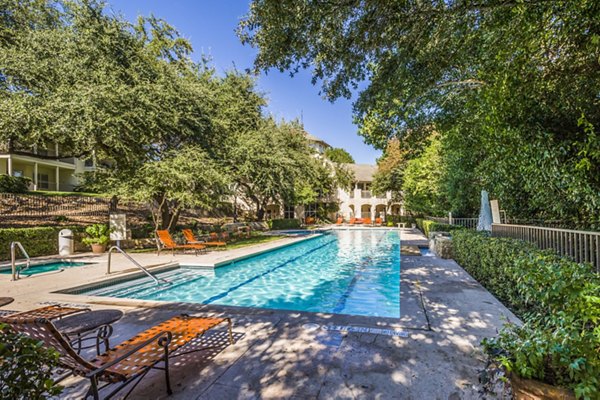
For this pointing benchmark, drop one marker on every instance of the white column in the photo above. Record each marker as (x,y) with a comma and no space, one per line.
(373,212)
(9,165)
(35,176)
(57,178)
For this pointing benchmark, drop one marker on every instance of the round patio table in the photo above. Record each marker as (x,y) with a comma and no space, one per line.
(93,325)
(5,301)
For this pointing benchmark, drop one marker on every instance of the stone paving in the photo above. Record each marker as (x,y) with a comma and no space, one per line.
(277,355)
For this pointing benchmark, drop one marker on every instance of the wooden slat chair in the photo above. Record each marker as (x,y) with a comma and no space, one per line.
(167,242)
(191,239)
(130,360)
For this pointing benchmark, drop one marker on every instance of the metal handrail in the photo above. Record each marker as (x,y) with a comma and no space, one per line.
(155,279)
(13,259)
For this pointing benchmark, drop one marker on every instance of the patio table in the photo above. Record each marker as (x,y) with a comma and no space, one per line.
(92,325)
(5,301)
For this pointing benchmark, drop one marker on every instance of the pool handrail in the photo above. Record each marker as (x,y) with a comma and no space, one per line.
(137,264)
(13,259)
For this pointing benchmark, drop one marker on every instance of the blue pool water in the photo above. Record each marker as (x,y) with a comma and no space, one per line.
(48,267)
(345,272)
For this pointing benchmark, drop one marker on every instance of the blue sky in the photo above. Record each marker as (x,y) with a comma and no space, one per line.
(210,25)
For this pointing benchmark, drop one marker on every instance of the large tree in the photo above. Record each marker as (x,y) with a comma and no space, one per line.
(521,78)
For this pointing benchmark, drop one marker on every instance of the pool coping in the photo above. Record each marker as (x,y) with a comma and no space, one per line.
(129,275)
(125,276)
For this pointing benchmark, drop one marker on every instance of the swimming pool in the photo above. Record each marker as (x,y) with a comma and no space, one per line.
(353,272)
(46,267)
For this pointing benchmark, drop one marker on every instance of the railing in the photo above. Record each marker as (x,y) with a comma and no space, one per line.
(32,205)
(13,259)
(365,194)
(110,251)
(469,223)
(581,246)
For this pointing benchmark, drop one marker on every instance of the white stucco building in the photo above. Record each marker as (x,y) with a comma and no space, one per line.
(361,202)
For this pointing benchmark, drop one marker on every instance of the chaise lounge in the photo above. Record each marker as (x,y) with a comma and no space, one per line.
(167,242)
(130,360)
(191,239)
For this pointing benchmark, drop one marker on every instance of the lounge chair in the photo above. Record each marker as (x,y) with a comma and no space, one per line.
(309,220)
(378,221)
(167,242)
(339,221)
(358,221)
(352,221)
(367,221)
(191,239)
(130,360)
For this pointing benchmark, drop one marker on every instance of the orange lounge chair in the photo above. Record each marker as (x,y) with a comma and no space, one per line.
(191,239)
(132,359)
(167,242)
(309,220)
(358,221)
(367,221)
(352,221)
(339,221)
(378,221)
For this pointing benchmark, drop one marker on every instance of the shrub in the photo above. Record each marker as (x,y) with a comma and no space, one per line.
(25,367)
(277,224)
(13,184)
(41,241)
(558,301)
(97,234)
(426,226)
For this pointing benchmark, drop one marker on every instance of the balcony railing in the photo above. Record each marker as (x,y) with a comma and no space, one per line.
(365,194)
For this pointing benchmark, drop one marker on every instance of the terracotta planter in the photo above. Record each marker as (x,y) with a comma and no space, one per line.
(529,389)
(98,248)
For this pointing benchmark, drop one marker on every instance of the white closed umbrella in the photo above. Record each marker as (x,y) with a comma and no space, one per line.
(485,213)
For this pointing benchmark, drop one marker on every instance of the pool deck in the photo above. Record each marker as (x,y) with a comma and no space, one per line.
(431,352)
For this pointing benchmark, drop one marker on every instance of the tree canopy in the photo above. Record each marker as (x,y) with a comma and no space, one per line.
(512,87)
(338,155)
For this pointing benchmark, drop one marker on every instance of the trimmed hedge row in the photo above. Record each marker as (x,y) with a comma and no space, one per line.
(277,224)
(427,226)
(558,301)
(41,241)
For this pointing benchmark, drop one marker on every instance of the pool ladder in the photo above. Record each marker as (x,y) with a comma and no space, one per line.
(137,264)
(13,259)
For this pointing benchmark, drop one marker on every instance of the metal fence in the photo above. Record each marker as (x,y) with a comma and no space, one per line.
(581,246)
(470,223)
(30,205)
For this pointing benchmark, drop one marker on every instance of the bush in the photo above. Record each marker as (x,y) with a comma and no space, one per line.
(427,226)
(13,184)
(558,301)
(25,367)
(41,241)
(277,224)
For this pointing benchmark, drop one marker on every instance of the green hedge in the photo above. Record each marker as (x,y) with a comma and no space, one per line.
(427,226)
(558,301)
(42,241)
(277,224)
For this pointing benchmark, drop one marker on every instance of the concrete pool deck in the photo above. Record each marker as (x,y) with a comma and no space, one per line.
(280,355)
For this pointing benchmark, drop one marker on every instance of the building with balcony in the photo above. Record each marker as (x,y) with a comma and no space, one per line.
(44,166)
(360,201)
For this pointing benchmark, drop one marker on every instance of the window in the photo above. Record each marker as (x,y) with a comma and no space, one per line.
(310,210)
(18,173)
(289,212)
(43,181)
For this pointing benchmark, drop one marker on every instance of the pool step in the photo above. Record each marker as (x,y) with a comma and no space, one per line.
(145,286)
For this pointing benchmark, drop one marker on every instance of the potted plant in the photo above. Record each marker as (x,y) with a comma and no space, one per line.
(98,237)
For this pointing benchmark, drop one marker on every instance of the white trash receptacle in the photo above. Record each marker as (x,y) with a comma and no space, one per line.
(66,244)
